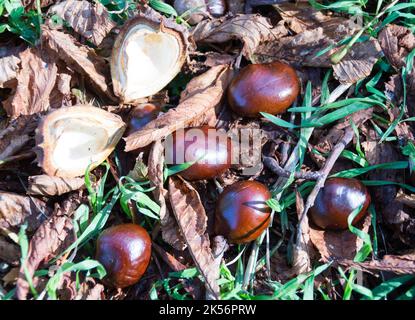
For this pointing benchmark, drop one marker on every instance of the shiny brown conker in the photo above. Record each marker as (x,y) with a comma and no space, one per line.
(140,115)
(124,250)
(337,200)
(241,211)
(270,87)
(207,148)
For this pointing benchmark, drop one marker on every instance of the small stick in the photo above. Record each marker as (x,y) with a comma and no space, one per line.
(273,165)
(325,170)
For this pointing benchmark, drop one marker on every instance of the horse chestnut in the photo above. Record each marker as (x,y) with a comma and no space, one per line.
(270,87)
(208,149)
(241,212)
(125,252)
(140,115)
(337,200)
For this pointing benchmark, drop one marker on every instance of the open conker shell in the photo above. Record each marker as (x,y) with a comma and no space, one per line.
(125,252)
(241,211)
(71,138)
(147,54)
(337,200)
(270,87)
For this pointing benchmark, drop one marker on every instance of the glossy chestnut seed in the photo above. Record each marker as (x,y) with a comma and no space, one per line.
(125,252)
(207,148)
(270,87)
(140,115)
(241,211)
(337,200)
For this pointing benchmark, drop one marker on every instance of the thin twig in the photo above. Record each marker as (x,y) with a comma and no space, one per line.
(325,170)
(273,165)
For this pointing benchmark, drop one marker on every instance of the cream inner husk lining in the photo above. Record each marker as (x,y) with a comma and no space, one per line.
(147,61)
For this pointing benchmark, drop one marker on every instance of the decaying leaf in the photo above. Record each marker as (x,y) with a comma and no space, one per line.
(195,104)
(35,82)
(88,289)
(51,186)
(302,247)
(16,210)
(79,57)
(53,236)
(91,20)
(300,17)
(358,63)
(169,228)
(301,49)
(338,244)
(16,135)
(250,29)
(396,42)
(9,64)
(191,217)
(404,264)
(9,251)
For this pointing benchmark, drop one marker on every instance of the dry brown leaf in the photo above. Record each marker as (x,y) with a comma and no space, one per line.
(396,42)
(79,57)
(67,288)
(392,211)
(51,186)
(301,49)
(250,29)
(197,103)
(9,251)
(35,82)
(169,228)
(300,17)
(91,20)
(9,64)
(15,136)
(191,217)
(53,236)
(404,264)
(16,210)
(302,247)
(61,93)
(11,277)
(358,63)
(338,244)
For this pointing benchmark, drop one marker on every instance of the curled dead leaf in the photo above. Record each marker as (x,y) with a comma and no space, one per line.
(170,230)
(396,42)
(358,63)
(91,20)
(35,82)
(16,210)
(250,29)
(302,248)
(191,217)
(51,186)
(9,64)
(53,236)
(191,109)
(16,135)
(403,264)
(338,245)
(300,17)
(79,57)
(9,251)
